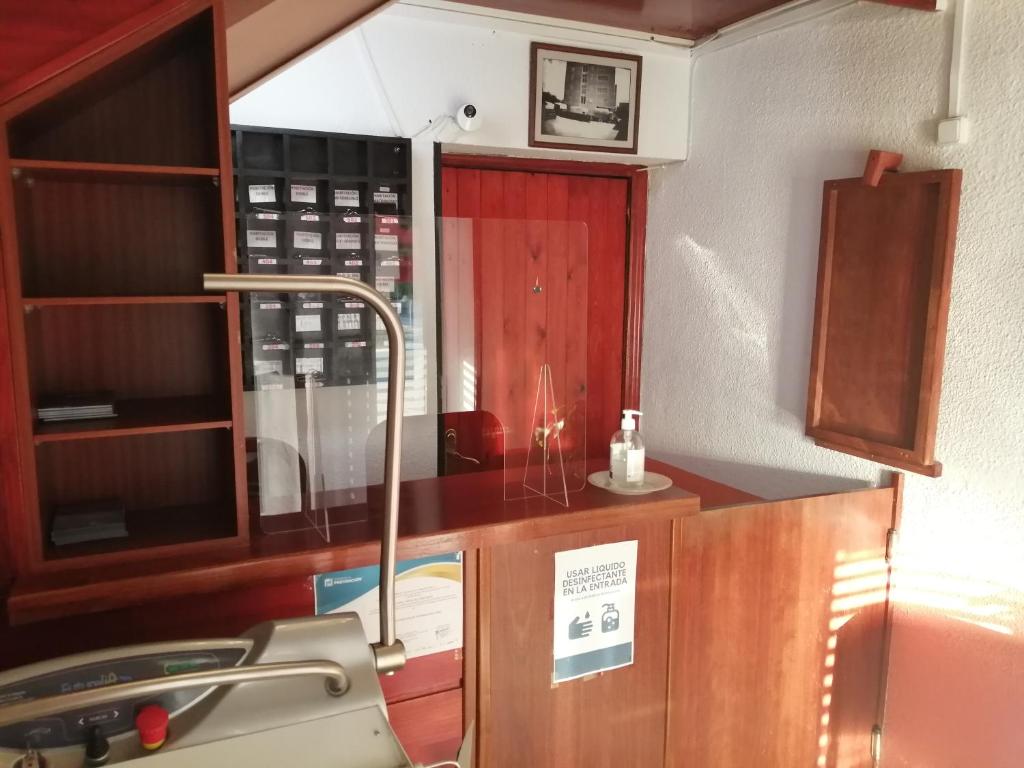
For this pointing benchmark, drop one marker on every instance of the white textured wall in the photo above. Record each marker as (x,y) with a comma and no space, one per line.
(409,65)
(731,266)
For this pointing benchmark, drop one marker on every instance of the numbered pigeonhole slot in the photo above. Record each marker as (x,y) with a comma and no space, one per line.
(311,317)
(389,198)
(269,316)
(351,234)
(352,256)
(307,244)
(264,243)
(351,361)
(271,363)
(351,319)
(262,193)
(311,362)
(348,157)
(307,154)
(258,151)
(390,159)
(350,197)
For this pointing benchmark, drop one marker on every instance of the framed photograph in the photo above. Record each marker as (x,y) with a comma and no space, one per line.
(583,99)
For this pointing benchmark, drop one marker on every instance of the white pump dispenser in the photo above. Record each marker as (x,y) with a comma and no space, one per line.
(627,452)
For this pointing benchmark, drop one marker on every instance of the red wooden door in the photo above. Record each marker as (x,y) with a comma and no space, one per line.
(549,228)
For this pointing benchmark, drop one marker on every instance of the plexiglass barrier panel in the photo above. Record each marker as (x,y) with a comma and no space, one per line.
(510,317)
(514,347)
(316,366)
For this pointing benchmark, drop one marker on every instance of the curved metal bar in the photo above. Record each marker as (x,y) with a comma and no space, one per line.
(389,652)
(333,673)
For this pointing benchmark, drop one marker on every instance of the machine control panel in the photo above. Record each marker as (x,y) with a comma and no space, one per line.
(74,727)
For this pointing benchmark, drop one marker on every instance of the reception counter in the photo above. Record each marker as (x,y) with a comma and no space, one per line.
(728,588)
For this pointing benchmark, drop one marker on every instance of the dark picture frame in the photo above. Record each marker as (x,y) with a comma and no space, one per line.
(584,99)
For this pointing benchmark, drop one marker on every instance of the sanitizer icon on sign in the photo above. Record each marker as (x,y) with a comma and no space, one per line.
(610,618)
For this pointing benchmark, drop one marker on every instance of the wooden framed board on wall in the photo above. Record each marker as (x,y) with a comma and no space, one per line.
(884,277)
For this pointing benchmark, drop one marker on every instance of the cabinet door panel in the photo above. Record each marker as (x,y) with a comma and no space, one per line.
(778,632)
(611,719)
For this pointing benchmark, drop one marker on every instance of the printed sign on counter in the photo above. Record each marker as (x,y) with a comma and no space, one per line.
(428,601)
(595,606)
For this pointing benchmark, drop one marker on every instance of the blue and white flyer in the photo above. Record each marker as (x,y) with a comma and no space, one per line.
(428,601)
(595,604)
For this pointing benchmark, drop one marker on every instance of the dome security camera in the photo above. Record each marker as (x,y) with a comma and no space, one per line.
(468,118)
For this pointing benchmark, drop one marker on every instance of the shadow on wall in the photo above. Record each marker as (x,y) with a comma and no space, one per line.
(770,483)
(800,278)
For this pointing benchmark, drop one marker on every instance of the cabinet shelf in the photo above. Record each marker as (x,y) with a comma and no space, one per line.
(143,416)
(107,301)
(152,532)
(72,169)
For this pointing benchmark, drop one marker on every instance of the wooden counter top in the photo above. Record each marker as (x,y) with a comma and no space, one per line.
(438,515)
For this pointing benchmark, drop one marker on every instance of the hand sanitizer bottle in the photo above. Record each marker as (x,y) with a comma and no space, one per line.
(627,452)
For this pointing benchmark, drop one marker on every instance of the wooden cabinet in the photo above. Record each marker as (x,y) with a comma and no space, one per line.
(115,198)
(760,641)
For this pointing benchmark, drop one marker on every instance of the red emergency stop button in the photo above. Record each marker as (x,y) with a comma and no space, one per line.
(151,721)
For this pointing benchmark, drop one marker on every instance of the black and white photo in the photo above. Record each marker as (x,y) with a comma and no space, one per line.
(582,99)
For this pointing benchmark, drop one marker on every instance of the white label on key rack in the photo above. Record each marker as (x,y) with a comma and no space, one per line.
(388,220)
(312,305)
(354,305)
(346,198)
(391,263)
(348,241)
(312,262)
(310,241)
(261,238)
(353,262)
(349,321)
(270,305)
(313,345)
(304,365)
(262,193)
(275,347)
(385,198)
(385,242)
(307,323)
(266,261)
(385,285)
(351,275)
(268,216)
(352,344)
(303,193)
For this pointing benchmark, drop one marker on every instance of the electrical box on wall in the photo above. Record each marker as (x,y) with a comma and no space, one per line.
(955,130)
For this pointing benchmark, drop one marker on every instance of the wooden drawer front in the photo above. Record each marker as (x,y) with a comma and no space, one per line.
(430,727)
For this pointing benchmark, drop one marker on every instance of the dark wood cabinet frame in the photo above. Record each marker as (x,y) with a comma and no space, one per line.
(884,276)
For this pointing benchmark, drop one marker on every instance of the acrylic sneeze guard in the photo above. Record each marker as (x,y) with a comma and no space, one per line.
(514,351)
(512,365)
